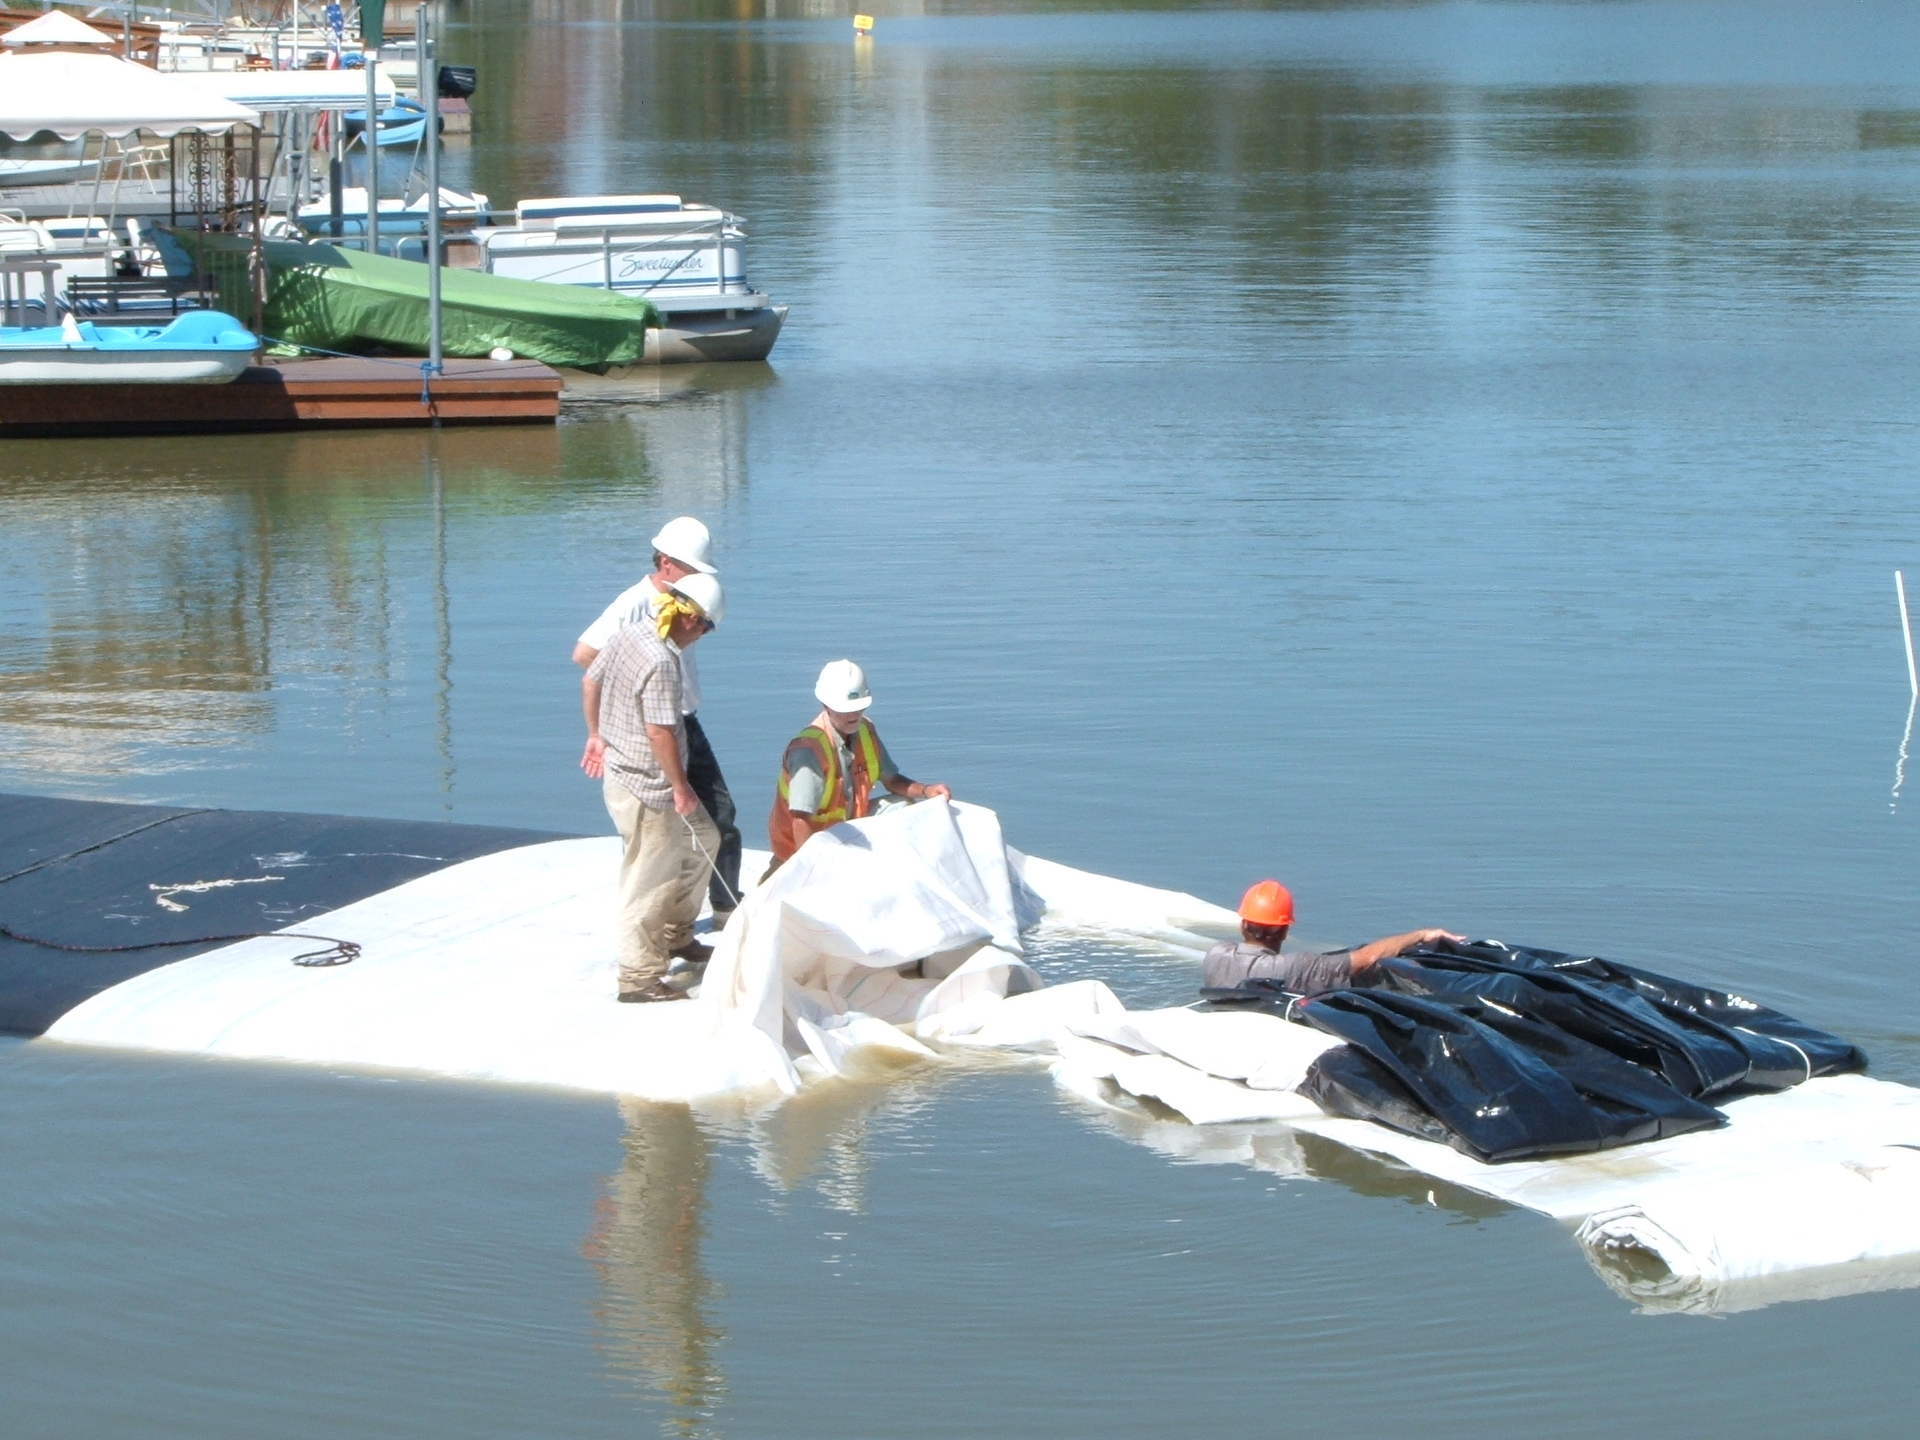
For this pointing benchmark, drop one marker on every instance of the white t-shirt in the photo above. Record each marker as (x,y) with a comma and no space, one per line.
(632,605)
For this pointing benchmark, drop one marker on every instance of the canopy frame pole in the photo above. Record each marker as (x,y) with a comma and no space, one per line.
(257,260)
(370,138)
(426,54)
(336,172)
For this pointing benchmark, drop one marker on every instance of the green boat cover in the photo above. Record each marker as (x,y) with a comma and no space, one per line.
(323,298)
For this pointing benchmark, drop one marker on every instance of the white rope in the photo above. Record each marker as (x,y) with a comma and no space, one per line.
(712,864)
(1805,1059)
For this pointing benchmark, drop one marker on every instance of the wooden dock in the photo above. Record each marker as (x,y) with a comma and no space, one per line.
(295,395)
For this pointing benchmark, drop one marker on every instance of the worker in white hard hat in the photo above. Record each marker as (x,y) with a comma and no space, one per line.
(637,747)
(682,548)
(831,768)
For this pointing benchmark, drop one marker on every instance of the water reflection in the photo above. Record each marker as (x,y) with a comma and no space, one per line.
(655,1297)
(1247,178)
(656,1300)
(442,630)
(822,1133)
(1277,1149)
(171,599)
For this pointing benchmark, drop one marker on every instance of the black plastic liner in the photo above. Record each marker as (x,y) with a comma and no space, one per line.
(1512,1052)
(1719,1033)
(89,873)
(1492,1083)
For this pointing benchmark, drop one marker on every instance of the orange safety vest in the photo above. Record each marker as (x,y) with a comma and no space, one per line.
(824,747)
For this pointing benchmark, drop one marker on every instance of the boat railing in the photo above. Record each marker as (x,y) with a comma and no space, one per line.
(706,237)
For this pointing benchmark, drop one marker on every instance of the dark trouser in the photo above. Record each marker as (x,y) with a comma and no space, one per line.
(703,773)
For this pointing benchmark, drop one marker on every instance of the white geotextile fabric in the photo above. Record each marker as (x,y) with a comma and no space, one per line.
(1824,1175)
(1079,902)
(503,968)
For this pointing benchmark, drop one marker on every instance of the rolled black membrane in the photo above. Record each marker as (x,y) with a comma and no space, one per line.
(82,872)
(1517,1053)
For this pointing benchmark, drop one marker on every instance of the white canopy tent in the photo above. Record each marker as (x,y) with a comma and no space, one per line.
(56,27)
(74,94)
(281,90)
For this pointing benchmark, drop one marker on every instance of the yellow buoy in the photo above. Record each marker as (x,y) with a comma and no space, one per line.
(863,25)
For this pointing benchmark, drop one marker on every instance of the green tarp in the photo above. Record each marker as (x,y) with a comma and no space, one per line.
(346,300)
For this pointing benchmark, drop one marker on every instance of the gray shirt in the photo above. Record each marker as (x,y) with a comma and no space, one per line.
(1303,972)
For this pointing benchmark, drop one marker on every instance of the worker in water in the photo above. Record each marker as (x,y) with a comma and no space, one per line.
(682,548)
(1266,913)
(832,767)
(637,747)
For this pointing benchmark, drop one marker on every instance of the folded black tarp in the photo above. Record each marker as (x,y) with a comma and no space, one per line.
(1486,1080)
(1512,1052)
(1708,1041)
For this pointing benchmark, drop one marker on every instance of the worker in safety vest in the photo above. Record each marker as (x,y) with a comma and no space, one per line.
(831,768)
(1266,913)
(682,548)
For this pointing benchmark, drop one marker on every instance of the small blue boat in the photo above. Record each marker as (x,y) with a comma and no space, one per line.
(402,123)
(202,347)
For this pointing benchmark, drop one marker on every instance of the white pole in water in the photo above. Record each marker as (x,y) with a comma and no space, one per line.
(426,54)
(1906,630)
(371,140)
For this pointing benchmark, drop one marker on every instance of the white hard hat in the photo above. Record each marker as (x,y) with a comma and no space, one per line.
(704,591)
(842,686)
(687,541)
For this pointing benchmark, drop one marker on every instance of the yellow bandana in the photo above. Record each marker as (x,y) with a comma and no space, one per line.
(674,607)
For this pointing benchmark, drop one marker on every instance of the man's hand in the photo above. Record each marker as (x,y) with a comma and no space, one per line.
(685,802)
(594,760)
(935,792)
(1367,956)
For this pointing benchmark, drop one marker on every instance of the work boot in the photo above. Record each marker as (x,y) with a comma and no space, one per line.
(720,919)
(659,990)
(693,952)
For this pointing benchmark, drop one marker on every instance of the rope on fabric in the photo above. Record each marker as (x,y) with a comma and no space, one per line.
(712,864)
(337,952)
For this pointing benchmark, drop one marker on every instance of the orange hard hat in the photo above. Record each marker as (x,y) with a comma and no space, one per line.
(1268,903)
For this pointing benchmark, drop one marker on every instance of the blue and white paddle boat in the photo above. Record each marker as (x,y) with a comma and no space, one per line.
(401,123)
(202,347)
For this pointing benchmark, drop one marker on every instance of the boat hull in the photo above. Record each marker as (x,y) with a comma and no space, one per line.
(202,347)
(696,339)
(18,174)
(94,367)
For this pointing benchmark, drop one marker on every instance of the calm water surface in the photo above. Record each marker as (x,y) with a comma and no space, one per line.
(1454,458)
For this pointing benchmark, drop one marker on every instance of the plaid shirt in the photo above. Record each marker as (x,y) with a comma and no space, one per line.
(639,675)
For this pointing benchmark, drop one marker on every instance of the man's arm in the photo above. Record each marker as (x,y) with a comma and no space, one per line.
(898,784)
(917,789)
(594,759)
(1368,955)
(584,654)
(666,749)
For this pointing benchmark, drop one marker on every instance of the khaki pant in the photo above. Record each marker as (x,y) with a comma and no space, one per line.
(662,877)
